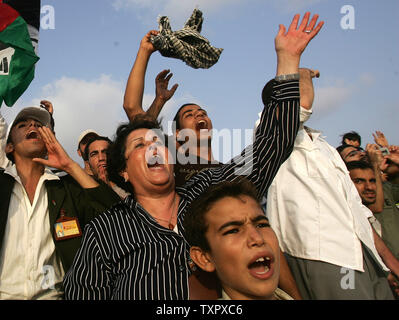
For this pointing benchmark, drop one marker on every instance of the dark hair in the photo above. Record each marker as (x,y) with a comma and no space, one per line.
(352,135)
(195,224)
(342,147)
(84,141)
(116,161)
(352,165)
(90,141)
(176,117)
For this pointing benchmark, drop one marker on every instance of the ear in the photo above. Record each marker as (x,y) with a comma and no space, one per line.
(9,148)
(202,259)
(124,175)
(177,134)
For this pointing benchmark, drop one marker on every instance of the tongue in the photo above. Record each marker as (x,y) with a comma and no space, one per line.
(258,267)
(201,125)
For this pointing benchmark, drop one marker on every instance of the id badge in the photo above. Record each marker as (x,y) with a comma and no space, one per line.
(66,227)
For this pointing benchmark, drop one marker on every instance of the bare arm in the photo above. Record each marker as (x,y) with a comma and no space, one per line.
(386,255)
(133,99)
(306,90)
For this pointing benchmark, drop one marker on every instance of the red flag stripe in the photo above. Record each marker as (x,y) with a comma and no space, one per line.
(7,15)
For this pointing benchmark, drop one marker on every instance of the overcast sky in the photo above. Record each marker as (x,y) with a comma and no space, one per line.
(87,54)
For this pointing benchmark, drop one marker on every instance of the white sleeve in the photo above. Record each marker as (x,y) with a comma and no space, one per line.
(4,162)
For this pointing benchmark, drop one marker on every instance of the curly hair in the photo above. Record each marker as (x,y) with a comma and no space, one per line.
(116,161)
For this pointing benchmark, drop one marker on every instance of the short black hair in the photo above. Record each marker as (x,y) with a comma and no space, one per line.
(352,135)
(91,140)
(194,223)
(116,161)
(342,147)
(352,165)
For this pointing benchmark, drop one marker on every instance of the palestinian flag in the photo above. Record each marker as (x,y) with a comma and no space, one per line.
(17,56)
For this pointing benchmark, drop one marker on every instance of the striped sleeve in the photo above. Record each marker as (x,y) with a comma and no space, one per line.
(88,278)
(274,139)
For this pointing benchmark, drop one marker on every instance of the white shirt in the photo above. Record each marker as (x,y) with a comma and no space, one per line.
(29,266)
(315,208)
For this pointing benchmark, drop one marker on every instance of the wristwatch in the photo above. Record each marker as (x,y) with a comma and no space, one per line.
(287,77)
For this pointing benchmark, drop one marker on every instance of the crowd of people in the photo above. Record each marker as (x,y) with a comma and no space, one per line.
(151,216)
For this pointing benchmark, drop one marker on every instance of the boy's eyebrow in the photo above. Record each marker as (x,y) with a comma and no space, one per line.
(230,223)
(240,223)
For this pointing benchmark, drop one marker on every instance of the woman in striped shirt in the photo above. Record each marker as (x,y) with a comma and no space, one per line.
(137,249)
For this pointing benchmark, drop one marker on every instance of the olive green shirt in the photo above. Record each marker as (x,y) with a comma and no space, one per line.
(389,217)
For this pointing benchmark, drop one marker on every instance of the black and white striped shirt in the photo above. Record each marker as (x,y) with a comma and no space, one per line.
(126,254)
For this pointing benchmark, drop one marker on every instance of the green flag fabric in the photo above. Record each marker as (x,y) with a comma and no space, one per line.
(17,56)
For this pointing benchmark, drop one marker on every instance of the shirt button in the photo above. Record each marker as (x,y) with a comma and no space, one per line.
(182,268)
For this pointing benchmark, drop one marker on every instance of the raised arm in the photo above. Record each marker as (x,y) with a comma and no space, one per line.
(306,89)
(59,159)
(133,99)
(275,135)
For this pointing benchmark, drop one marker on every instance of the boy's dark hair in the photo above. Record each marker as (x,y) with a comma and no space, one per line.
(90,141)
(352,135)
(352,165)
(116,161)
(195,224)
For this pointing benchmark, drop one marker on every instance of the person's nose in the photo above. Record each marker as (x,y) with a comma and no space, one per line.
(102,157)
(199,114)
(255,237)
(34,123)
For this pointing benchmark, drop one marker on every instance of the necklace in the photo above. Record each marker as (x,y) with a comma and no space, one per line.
(170,224)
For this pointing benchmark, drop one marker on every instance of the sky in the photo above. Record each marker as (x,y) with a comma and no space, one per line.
(87,49)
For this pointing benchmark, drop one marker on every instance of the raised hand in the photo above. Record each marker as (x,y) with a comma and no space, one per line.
(380,139)
(103,175)
(161,84)
(295,40)
(57,156)
(374,153)
(47,105)
(146,43)
(393,156)
(289,45)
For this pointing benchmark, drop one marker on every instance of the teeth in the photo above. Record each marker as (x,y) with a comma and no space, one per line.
(262,259)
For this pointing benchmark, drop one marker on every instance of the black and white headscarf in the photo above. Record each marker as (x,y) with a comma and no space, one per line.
(186,44)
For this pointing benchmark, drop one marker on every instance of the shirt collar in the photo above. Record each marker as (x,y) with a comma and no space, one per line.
(47,174)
